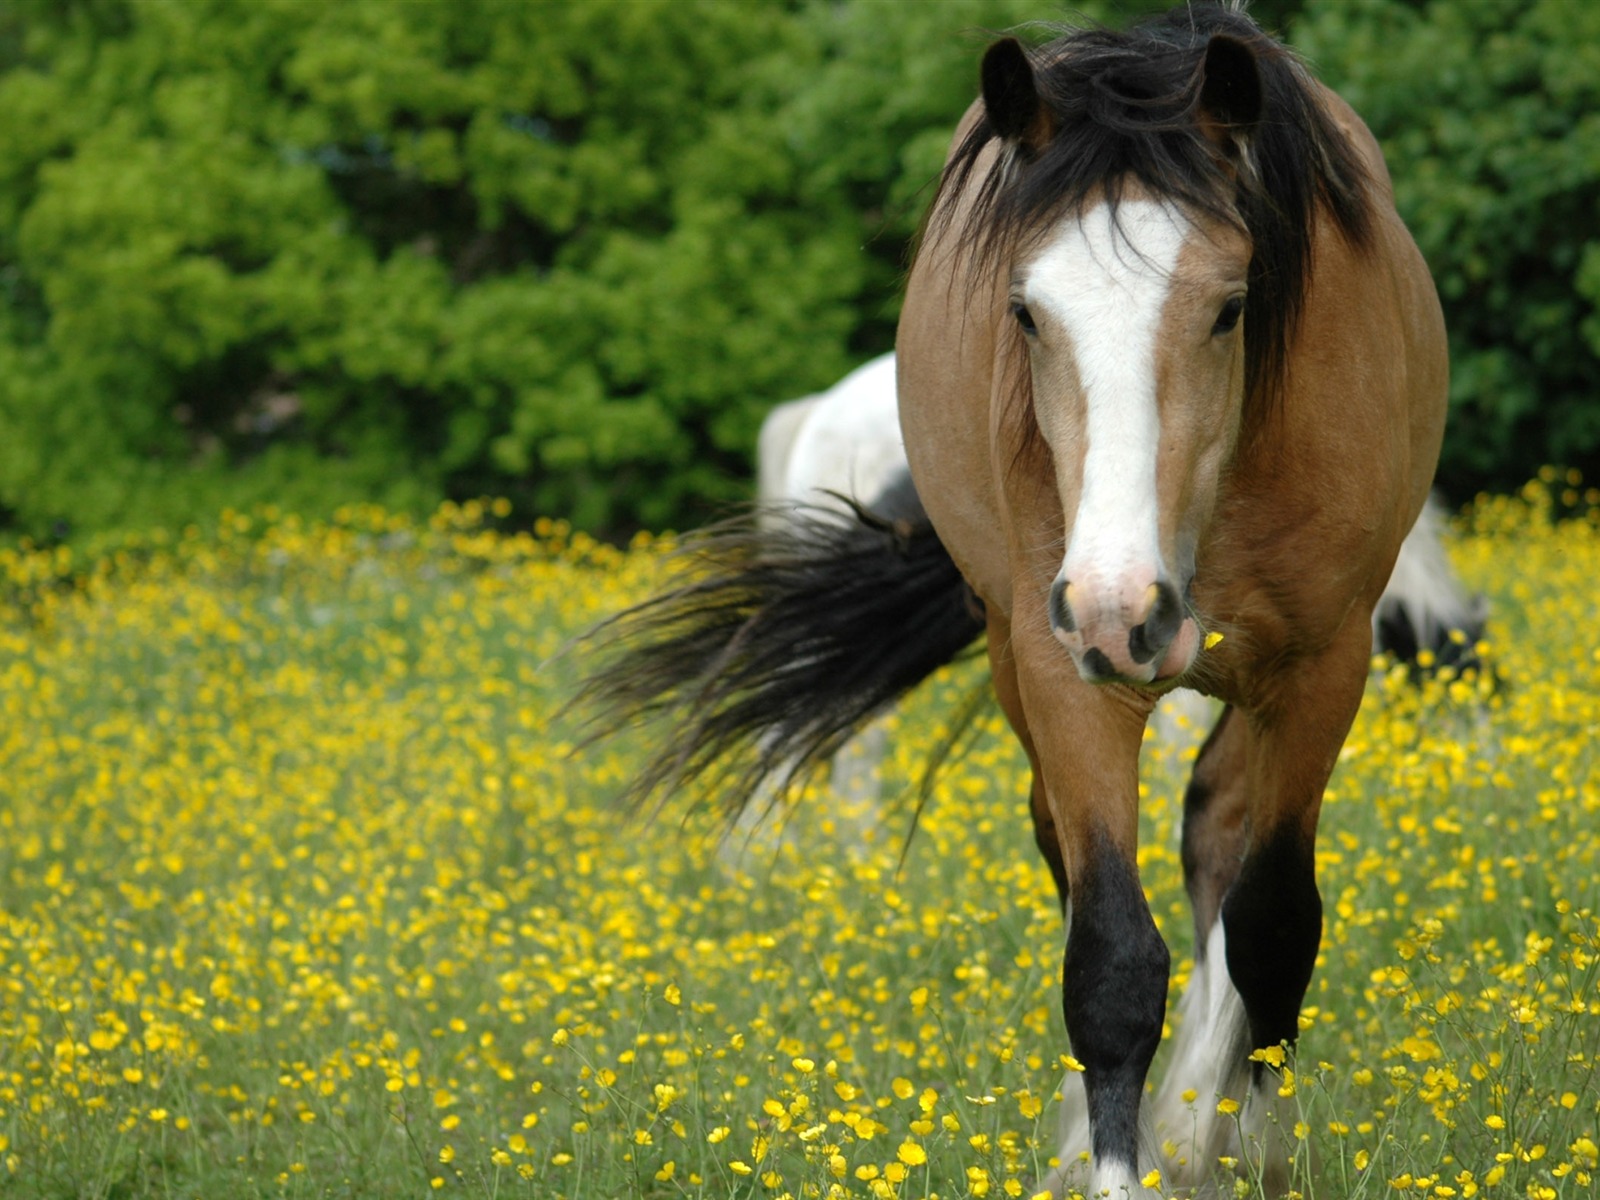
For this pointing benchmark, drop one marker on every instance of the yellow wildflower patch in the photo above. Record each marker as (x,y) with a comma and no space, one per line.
(303,867)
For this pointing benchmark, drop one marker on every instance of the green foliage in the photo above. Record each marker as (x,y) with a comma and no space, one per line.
(1489,114)
(571,253)
(322,252)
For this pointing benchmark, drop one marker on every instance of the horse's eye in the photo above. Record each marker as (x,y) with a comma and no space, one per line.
(1024,318)
(1228,317)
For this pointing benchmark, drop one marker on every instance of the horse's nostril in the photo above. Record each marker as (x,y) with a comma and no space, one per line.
(1160,625)
(1060,609)
(1095,665)
(1140,648)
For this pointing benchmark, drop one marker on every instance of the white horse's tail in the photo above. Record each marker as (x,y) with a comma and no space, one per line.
(1425,617)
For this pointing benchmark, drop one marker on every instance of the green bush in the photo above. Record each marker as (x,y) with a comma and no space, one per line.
(564,252)
(335,251)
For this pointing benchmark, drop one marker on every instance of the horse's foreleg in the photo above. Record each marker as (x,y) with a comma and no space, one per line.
(1214,821)
(1252,815)
(1114,998)
(1114,971)
(1209,1055)
(1003,672)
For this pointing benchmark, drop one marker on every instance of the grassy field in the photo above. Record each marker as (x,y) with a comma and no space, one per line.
(303,893)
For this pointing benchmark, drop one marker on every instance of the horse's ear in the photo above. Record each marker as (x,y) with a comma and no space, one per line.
(1011,97)
(1230,90)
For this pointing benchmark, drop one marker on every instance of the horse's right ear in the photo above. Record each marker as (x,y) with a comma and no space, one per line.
(1011,97)
(1230,100)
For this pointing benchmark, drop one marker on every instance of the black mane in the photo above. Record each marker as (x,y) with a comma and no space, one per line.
(1125,107)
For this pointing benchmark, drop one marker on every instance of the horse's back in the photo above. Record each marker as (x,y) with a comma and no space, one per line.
(851,444)
(775,446)
(1342,472)
(844,442)
(1422,384)
(947,362)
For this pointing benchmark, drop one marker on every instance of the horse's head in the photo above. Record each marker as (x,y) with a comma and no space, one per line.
(1130,297)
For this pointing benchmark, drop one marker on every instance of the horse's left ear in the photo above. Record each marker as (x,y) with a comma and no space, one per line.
(1011,96)
(1230,91)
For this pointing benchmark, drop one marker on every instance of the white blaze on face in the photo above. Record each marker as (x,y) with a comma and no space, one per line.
(1106,285)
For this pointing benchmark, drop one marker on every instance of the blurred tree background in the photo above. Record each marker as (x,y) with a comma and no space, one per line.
(307,253)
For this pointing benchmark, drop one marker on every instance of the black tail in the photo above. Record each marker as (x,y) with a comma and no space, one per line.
(794,630)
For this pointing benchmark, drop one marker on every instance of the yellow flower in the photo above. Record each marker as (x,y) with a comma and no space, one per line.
(1271,1055)
(911,1154)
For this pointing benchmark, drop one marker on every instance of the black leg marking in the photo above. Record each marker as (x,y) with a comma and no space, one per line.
(1114,996)
(1273,919)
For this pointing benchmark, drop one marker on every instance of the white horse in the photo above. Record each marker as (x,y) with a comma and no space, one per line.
(841,442)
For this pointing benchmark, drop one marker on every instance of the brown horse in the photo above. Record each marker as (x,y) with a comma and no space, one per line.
(1172,380)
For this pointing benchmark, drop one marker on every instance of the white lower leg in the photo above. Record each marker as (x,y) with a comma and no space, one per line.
(1077,1172)
(1116,1182)
(1072,1172)
(1072,1123)
(1209,1064)
(1207,1116)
